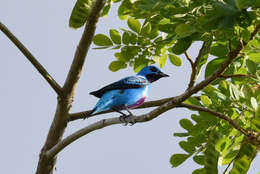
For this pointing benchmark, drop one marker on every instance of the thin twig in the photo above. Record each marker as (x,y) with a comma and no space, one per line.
(195,64)
(149,104)
(228,166)
(236,76)
(32,59)
(189,58)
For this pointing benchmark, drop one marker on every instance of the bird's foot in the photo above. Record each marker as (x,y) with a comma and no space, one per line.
(126,119)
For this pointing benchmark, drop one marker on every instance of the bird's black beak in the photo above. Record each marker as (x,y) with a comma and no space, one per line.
(161,74)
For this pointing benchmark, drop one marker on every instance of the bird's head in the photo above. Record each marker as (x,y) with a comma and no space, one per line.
(152,73)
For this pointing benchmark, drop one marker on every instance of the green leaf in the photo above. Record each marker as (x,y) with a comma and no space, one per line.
(115,36)
(186,146)
(167,28)
(162,60)
(199,171)
(218,50)
(126,38)
(140,63)
(186,124)
(213,65)
(199,159)
(178,159)
(154,33)
(120,57)
(229,157)
(133,38)
(256,124)
(182,45)
(117,65)
(146,29)
(211,154)
(181,134)
(225,9)
(102,40)
(205,100)
(105,10)
(192,101)
(244,159)
(123,9)
(175,60)
(254,57)
(234,92)
(129,52)
(254,103)
(251,66)
(242,4)
(80,13)
(245,34)
(198,139)
(134,24)
(184,30)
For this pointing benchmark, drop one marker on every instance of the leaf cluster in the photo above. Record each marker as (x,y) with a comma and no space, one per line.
(161,30)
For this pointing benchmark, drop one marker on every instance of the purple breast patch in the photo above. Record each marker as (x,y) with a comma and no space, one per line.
(138,103)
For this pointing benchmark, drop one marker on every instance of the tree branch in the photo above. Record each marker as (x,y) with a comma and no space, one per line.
(32,59)
(82,49)
(172,103)
(178,99)
(195,64)
(189,59)
(237,76)
(58,126)
(81,115)
(139,119)
(104,123)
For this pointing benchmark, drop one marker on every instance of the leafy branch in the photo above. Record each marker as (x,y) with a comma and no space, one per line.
(217,114)
(168,104)
(140,119)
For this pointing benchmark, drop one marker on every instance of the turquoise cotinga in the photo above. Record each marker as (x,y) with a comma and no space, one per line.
(127,93)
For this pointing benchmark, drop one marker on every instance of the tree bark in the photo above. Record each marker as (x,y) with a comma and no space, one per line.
(47,165)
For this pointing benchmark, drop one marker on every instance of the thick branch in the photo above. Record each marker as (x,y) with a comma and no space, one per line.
(56,131)
(32,59)
(82,49)
(217,114)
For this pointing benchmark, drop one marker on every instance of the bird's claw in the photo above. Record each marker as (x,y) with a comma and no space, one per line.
(126,119)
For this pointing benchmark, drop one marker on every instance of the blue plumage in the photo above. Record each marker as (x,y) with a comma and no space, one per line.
(127,93)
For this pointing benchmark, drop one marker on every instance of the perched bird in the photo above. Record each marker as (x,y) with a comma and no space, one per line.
(127,93)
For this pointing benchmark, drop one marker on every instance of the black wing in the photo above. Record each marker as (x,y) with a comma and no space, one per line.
(126,83)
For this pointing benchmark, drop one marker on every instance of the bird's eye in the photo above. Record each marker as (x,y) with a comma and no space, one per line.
(153,69)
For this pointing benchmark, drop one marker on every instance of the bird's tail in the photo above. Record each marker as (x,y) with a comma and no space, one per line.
(89,114)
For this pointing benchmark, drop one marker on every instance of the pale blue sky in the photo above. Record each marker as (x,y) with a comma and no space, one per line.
(28,103)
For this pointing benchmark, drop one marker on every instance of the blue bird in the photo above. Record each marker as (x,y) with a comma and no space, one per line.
(127,93)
